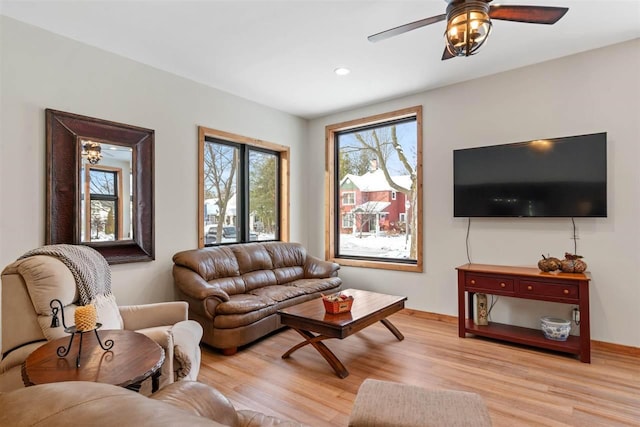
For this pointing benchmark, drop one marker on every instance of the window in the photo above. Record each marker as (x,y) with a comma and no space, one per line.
(243,189)
(374,206)
(347,220)
(348,198)
(102,204)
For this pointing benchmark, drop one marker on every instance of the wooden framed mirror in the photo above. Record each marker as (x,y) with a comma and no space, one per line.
(100,186)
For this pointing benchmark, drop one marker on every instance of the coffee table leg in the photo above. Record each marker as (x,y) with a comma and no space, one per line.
(393,329)
(324,351)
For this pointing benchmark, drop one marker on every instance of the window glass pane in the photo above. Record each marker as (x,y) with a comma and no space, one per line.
(103,220)
(102,182)
(263,195)
(221,203)
(377,180)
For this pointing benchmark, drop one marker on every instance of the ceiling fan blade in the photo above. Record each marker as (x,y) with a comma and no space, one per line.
(446,54)
(405,28)
(530,14)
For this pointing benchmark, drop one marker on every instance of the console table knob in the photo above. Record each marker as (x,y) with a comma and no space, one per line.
(529,288)
(566,291)
(473,282)
(502,285)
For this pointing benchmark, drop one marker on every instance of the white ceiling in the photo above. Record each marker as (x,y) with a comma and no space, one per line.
(283,53)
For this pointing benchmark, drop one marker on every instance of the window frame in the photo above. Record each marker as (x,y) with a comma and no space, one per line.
(88,197)
(251,144)
(331,190)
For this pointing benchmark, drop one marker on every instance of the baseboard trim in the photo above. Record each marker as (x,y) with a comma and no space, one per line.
(615,348)
(431,316)
(595,345)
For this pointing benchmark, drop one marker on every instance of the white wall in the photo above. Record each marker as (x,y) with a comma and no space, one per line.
(41,70)
(590,92)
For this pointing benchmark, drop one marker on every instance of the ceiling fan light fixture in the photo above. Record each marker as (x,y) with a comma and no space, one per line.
(92,151)
(468,26)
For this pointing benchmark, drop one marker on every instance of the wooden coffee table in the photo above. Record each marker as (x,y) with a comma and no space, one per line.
(133,358)
(310,317)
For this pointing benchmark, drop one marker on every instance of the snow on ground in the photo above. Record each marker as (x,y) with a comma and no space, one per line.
(375,245)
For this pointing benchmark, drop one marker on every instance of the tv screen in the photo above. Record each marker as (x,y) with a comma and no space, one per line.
(560,177)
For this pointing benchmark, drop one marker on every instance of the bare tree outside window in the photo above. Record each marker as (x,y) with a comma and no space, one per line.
(220,178)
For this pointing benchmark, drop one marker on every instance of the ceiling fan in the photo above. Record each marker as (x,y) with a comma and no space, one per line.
(469,23)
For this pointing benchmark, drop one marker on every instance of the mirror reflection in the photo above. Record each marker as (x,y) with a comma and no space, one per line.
(106,191)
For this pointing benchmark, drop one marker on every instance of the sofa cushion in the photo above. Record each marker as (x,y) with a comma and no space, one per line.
(259,279)
(47,278)
(243,303)
(210,263)
(229,285)
(289,274)
(90,404)
(278,293)
(310,286)
(285,255)
(251,257)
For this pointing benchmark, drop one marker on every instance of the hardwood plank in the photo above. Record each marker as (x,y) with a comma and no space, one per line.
(521,385)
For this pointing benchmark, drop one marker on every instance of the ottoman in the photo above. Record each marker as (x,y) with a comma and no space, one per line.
(386,404)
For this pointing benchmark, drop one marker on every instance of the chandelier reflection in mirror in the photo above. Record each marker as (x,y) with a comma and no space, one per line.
(92,151)
(468,26)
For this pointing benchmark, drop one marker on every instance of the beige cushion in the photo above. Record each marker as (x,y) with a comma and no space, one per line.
(386,404)
(47,278)
(109,314)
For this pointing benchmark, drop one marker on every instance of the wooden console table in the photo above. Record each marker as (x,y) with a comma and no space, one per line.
(528,283)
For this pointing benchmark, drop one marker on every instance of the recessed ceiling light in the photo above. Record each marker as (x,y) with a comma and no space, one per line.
(342,71)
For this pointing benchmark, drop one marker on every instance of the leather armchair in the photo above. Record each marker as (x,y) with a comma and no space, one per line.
(30,284)
(184,403)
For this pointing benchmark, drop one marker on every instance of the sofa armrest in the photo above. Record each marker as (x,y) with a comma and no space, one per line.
(193,285)
(17,356)
(317,268)
(144,316)
(199,399)
(186,349)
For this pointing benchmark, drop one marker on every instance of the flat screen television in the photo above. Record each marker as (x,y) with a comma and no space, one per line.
(560,177)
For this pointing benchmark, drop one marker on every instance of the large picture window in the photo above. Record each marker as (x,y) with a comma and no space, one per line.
(243,195)
(374,187)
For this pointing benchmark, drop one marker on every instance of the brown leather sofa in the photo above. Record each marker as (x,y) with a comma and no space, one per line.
(183,403)
(234,291)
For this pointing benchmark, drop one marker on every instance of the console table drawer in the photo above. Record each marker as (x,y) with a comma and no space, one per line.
(560,290)
(488,283)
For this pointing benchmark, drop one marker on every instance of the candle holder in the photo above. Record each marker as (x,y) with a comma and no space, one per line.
(62,351)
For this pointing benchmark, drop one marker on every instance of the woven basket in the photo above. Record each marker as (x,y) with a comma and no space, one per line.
(341,306)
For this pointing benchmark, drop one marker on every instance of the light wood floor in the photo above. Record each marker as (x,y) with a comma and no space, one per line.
(521,386)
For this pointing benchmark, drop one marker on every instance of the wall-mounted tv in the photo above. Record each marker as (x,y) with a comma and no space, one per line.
(559,177)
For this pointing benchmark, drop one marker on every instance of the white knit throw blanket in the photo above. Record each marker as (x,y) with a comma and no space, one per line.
(89,268)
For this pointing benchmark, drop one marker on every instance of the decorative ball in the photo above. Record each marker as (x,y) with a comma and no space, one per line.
(85,317)
(548,263)
(573,263)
